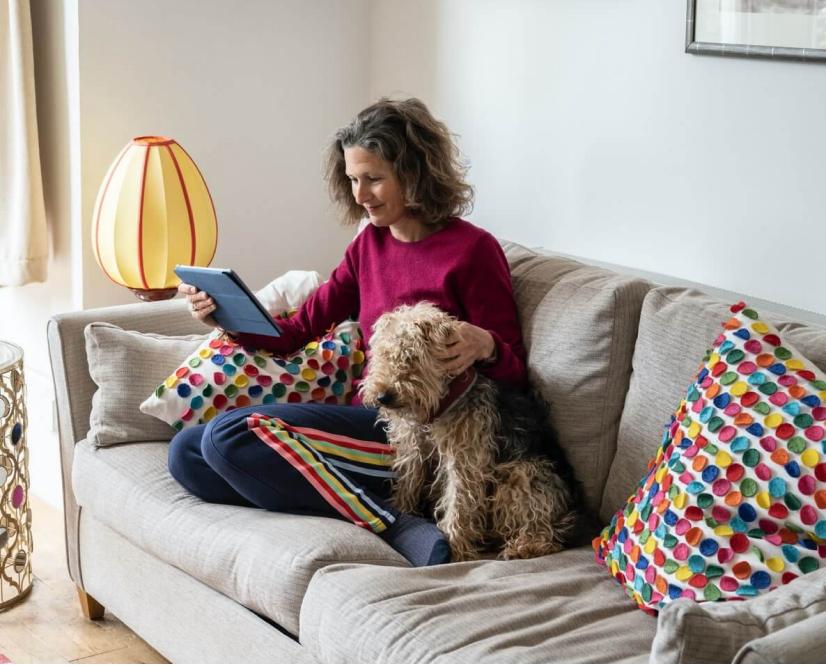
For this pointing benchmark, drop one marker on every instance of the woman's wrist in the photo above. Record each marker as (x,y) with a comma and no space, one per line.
(491,356)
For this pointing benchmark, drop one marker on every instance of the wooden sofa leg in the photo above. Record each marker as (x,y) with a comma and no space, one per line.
(92,609)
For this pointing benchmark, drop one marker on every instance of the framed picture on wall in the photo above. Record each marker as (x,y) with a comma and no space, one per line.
(780,29)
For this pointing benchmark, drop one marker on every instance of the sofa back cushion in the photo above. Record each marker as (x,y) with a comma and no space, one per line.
(676,327)
(126,366)
(579,324)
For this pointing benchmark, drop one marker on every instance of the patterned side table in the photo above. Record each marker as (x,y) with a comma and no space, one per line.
(15,513)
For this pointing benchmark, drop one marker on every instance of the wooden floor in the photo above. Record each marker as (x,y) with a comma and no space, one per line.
(48,626)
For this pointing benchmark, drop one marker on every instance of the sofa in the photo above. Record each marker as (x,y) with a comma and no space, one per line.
(612,353)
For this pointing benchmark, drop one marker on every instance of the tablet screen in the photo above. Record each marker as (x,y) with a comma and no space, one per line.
(238,310)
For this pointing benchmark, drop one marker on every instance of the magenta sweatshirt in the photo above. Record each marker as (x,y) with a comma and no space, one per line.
(459,268)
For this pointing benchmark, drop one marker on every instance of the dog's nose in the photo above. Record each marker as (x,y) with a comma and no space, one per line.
(385,399)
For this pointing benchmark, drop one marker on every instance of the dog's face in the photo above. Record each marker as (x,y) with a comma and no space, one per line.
(405,375)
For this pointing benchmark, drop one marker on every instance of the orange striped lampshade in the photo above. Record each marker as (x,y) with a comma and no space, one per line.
(153,212)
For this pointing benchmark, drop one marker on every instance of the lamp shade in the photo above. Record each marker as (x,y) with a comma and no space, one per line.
(153,211)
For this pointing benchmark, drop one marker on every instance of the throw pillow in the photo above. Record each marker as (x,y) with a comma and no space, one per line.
(733,504)
(126,365)
(221,375)
(288,291)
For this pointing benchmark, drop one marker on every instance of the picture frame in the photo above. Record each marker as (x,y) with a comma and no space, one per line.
(776,29)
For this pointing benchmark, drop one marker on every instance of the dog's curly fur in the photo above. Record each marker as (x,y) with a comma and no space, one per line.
(488,467)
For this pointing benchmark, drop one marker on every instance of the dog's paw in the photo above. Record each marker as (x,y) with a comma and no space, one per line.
(526,548)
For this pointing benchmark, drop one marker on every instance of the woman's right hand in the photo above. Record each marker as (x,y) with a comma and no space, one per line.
(201,306)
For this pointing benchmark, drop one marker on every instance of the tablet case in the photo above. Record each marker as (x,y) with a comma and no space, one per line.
(238,310)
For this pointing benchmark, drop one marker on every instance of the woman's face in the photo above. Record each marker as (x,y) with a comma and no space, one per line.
(375,186)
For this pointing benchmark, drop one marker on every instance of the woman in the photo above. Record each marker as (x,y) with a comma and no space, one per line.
(399,165)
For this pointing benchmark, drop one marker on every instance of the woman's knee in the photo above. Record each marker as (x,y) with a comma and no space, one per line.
(229,438)
(227,433)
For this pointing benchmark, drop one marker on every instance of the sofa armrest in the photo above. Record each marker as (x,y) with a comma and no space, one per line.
(74,387)
(803,642)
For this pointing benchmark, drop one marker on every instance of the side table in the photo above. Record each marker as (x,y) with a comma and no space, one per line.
(15,513)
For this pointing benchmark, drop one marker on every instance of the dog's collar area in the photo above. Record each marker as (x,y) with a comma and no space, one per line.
(455,391)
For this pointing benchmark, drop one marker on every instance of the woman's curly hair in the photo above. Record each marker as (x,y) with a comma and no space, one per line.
(420,148)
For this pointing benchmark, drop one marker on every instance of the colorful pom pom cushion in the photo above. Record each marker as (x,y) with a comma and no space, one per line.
(734,503)
(221,375)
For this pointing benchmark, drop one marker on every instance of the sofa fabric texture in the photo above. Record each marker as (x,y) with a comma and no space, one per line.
(560,608)
(689,632)
(125,366)
(798,643)
(261,559)
(580,324)
(188,621)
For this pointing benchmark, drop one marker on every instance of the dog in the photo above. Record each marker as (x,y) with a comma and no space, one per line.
(484,458)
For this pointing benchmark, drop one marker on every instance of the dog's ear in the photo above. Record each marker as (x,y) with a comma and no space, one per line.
(438,328)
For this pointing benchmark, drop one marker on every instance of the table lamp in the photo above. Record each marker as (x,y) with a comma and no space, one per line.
(153,212)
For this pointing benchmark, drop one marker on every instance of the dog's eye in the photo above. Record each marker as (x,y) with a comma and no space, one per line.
(386,398)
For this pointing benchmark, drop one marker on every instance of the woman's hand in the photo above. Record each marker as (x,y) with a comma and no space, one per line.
(201,305)
(468,345)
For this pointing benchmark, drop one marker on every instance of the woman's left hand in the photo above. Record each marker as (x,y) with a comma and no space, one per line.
(468,345)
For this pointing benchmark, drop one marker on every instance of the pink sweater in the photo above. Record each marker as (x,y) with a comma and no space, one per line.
(460,268)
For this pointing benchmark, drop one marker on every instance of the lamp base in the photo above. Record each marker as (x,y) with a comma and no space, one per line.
(151,295)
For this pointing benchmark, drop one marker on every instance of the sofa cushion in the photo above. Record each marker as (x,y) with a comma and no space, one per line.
(676,328)
(801,642)
(579,324)
(263,560)
(690,632)
(560,608)
(126,366)
(534,274)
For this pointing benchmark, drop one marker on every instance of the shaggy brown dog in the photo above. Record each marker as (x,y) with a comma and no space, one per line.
(483,457)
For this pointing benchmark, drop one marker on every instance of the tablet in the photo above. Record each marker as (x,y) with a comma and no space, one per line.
(237,309)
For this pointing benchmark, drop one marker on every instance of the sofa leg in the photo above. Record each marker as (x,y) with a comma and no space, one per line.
(91,608)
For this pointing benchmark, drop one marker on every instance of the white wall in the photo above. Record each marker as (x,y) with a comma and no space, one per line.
(592,133)
(252,90)
(25,309)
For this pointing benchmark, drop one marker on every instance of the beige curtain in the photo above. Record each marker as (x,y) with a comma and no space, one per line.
(24,245)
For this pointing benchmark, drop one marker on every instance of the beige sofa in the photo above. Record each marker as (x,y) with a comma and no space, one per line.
(612,353)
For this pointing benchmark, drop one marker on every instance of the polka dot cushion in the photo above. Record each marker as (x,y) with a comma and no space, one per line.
(734,503)
(220,375)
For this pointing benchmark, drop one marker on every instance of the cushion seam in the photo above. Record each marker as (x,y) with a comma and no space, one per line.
(756,621)
(611,360)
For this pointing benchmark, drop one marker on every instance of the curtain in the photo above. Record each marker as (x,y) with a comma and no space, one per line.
(24,247)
